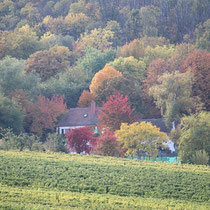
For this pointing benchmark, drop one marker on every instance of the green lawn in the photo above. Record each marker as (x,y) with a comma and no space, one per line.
(30,180)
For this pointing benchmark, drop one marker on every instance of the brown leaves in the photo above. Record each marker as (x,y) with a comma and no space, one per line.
(198,62)
(47,63)
(85,99)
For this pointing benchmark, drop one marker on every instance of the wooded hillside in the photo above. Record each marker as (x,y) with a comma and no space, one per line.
(56,55)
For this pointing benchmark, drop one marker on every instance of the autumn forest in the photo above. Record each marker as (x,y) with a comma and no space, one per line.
(150,58)
(104,104)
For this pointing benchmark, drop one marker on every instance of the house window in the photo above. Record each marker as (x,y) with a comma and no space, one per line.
(62,131)
(96,129)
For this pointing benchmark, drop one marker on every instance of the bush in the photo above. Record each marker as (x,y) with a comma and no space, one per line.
(200,157)
(38,146)
(108,145)
(21,141)
(194,137)
(81,140)
(56,143)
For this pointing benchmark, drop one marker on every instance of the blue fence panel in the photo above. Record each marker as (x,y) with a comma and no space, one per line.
(161,159)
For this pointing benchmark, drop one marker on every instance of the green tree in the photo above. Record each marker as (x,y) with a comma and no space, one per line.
(138,138)
(114,26)
(50,40)
(131,66)
(10,116)
(21,141)
(164,52)
(149,16)
(132,25)
(23,42)
(70,83)
(100,39)
(173,95)
(12,77)
(94,60)
(31,13)
(202,35)
(55,143)
(195,136)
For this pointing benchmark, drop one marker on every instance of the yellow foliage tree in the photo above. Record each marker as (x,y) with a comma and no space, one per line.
(106,73)
(141,137)
(99,39)
(22,42)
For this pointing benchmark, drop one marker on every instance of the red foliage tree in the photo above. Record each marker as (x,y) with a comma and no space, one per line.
(108,145)
(44,114)
(85,99)
(81,140)
(156,68)
(198,62)
(115,111)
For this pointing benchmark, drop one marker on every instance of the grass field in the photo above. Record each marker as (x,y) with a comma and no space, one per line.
(30,180)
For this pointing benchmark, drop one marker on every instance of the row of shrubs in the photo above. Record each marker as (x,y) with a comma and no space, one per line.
(22,141)
(57,143)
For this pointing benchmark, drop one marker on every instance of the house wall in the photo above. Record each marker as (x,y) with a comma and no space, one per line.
(64,130)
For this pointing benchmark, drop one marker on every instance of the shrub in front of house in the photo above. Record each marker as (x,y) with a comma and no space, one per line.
(108,145)
(56,143)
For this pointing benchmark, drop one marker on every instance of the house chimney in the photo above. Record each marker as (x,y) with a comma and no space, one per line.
(93,107)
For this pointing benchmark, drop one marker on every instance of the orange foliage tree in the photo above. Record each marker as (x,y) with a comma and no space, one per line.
(106,73)
(198,62)
(44,114)
(85,99)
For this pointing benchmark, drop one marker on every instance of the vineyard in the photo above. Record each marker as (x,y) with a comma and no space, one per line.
(53,180)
